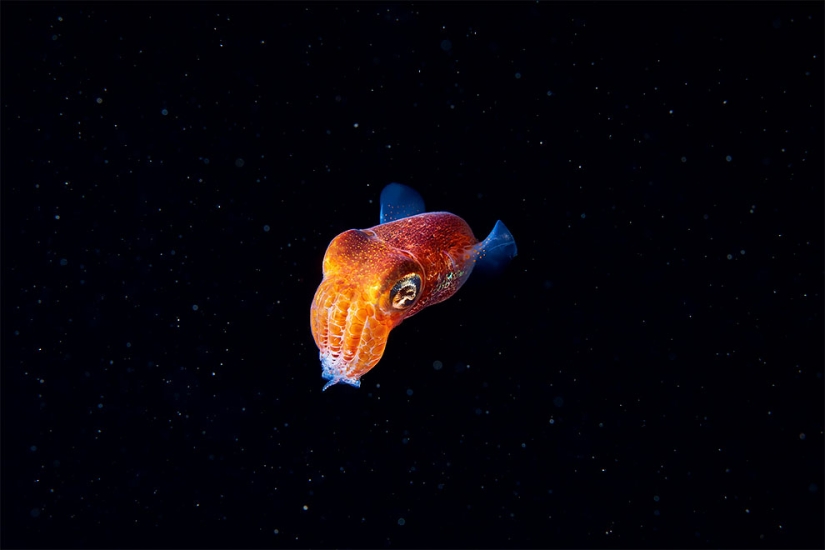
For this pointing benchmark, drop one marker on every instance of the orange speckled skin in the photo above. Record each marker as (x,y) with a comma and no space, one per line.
(352,312)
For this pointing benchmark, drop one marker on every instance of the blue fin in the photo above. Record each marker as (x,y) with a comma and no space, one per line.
(496,251)
(399,201)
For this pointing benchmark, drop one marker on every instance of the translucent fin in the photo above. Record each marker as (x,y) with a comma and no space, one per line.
(495,252)
(399,201)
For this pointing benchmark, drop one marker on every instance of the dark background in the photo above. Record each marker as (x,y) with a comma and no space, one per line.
(648,372)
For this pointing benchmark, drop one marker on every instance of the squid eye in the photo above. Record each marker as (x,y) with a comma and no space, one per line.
(405,291)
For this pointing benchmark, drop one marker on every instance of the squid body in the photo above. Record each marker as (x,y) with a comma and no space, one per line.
(375,278)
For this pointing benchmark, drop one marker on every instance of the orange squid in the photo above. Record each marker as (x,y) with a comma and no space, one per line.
(375,278)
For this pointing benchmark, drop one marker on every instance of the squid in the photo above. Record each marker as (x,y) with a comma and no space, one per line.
(373,279)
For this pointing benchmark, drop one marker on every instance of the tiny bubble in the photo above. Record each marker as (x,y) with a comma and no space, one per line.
(195,307)
(266,229)
(438,365)
(684,159)
(728,158)
(239,163)
(401,521)
(518,75)
(64,261)
(164,112)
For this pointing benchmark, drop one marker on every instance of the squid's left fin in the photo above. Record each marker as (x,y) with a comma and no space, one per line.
(399,201)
